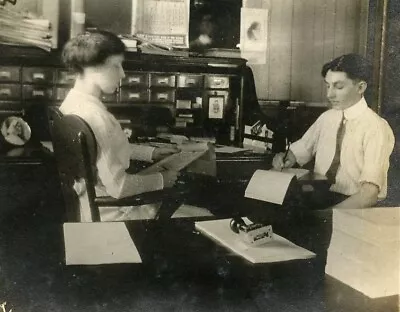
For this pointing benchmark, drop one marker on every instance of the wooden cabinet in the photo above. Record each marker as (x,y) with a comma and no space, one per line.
(156,91)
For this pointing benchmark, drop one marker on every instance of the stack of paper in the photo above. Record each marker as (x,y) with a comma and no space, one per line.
(365,250)
(15,28)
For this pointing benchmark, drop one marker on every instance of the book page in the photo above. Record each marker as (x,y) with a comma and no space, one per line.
(269,186)
(175,162)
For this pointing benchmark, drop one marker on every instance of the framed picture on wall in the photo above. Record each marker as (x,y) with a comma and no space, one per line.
(216,107)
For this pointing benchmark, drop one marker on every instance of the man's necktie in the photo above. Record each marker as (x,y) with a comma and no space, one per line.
(331,173)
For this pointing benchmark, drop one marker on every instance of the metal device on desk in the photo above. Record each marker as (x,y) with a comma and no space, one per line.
(254,234)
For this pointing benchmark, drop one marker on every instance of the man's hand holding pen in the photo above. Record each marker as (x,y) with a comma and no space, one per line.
(284,160)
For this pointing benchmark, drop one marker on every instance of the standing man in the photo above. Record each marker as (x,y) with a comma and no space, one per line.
(350,143)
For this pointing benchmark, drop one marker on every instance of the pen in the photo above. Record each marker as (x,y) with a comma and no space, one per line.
(286,153)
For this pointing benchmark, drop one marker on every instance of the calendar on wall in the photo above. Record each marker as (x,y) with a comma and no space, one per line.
(163,22)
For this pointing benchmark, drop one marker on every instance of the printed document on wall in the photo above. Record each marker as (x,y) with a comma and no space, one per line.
(164,22)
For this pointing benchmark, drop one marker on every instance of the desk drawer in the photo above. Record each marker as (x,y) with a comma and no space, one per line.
(132,95)
(9,73)
(37,75)
(65,77)
(35,92)
(160,80)
(10,91)
(162,96)
(135,79)
(190,81)
(11,106)
(217,82)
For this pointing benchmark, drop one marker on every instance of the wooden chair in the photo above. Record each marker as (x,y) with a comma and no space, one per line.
(96,242)
(75,150)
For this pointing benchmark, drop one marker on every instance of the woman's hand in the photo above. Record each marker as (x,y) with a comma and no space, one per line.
(162,152)
(169,178)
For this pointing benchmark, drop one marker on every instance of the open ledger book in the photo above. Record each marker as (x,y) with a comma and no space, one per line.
(271,185)
(176,162)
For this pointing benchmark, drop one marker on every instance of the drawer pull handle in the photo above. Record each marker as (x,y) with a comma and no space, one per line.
(38,93)
(38,76)
(5,92)
(5,74)
(162,96)
(190,81)
(163,80)
(134,79)
(134,95)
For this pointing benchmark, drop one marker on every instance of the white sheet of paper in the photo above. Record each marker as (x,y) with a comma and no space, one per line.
(278,250)
(230,149)
(175,162)
(99,243)
(269,186)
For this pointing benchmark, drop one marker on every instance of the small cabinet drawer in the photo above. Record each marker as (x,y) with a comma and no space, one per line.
(132,95)
(10,91)
(37,75)
(162,96)
(217,82)
(11,106)
(61,93)
(134,79)
(9,73)
(65,77)
(190,81)
(160,80)
(34,92)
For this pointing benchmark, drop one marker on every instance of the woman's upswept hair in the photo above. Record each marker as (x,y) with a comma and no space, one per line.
(354,65)
(90,49)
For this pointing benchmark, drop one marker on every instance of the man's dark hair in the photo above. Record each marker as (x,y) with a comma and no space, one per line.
(91,49)
(354,65)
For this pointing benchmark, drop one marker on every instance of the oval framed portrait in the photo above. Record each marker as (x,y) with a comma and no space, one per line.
(15,130)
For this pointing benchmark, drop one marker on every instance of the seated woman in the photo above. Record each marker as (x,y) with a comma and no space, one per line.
(96,58)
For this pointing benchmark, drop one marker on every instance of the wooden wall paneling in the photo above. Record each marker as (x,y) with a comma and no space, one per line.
(351,34)
(318,58)
(261,71)
(329,37)
(340,27)
(363,26)
(303,50)
(280,49)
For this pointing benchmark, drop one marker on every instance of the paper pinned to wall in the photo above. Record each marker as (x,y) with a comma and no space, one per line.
(164,22)
(253,35)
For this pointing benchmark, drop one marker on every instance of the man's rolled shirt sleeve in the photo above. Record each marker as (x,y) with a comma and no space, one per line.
(378,145)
